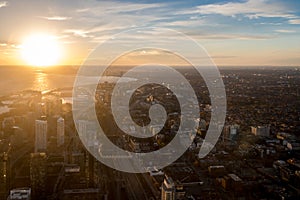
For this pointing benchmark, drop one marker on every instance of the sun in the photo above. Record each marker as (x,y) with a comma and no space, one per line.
(41,50)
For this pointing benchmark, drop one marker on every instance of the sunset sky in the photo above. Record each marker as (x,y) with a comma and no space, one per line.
(245,32)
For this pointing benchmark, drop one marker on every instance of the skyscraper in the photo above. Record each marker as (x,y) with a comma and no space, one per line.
(40,135)
(4,175)
(168,189)
(60,131)
(88,132)
(38,175)
(172,190)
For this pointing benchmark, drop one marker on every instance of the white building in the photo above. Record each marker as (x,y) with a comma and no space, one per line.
(234,129)
(60,131)
(40,135)
(20,194)
(88,132)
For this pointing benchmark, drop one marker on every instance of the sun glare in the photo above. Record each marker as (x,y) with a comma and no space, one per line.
(41,50)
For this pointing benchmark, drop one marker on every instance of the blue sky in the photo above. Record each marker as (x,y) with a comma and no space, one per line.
(245,32)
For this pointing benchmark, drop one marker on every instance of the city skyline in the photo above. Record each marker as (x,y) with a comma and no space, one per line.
(235,33)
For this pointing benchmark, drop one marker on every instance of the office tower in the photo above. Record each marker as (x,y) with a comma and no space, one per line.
(38,175)
(53,106)
(230,132)
(30,120)
(7,125)
(60,131)
(4,175)
(40,135)
(168,189)
(172,190)
(39,109)
(88,132)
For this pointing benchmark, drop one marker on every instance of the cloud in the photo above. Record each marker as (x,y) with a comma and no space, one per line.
(252,9)
(111,7)
(270,23)
(236,37)
(78,32)
(82,10)
(148,52)
(57,18)
(294,21)
(217,36)
(8,48)
(223,57)
(95,20)
(3,4)
(184,23)
(7,44)
(285,31)
(15,46)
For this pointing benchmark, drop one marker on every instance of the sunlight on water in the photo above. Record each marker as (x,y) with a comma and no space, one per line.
(41,82)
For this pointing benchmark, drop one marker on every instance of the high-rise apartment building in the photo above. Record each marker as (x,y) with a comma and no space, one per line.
(60,129)
(40,135)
